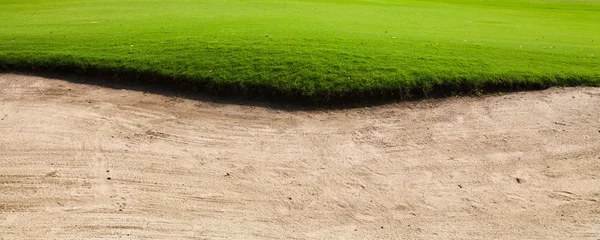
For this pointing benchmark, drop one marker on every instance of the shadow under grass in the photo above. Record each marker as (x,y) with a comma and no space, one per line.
(261,96)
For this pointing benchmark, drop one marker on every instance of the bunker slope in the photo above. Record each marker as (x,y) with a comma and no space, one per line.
(82,161)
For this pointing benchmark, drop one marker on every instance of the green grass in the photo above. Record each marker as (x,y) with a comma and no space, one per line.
(314,47)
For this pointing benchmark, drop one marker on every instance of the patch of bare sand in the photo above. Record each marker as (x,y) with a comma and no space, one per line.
(79,161)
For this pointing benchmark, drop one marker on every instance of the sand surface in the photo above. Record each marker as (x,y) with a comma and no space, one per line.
(83,161)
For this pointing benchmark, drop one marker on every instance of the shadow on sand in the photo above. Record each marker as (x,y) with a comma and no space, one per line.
(259,96)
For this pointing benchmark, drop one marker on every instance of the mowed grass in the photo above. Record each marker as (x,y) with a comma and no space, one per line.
(312,48)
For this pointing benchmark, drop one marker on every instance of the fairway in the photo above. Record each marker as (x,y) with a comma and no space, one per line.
(311,48)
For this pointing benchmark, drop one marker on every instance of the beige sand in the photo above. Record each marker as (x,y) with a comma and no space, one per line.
(81,161)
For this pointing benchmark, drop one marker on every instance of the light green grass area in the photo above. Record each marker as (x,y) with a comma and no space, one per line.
(311,47)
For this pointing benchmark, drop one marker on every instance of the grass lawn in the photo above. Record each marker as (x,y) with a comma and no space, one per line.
(312,48)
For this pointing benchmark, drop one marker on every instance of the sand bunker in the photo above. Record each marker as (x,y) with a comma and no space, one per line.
(81,161)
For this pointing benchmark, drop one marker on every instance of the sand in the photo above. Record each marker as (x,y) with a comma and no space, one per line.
(85,161)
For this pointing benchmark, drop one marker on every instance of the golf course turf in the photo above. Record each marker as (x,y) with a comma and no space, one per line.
(311,49)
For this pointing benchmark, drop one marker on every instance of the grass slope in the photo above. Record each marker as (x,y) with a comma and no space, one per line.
(312,47)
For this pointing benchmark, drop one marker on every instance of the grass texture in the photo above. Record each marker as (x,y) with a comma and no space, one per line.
(311,48)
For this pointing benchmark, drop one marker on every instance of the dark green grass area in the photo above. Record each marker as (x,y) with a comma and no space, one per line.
(311,49)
